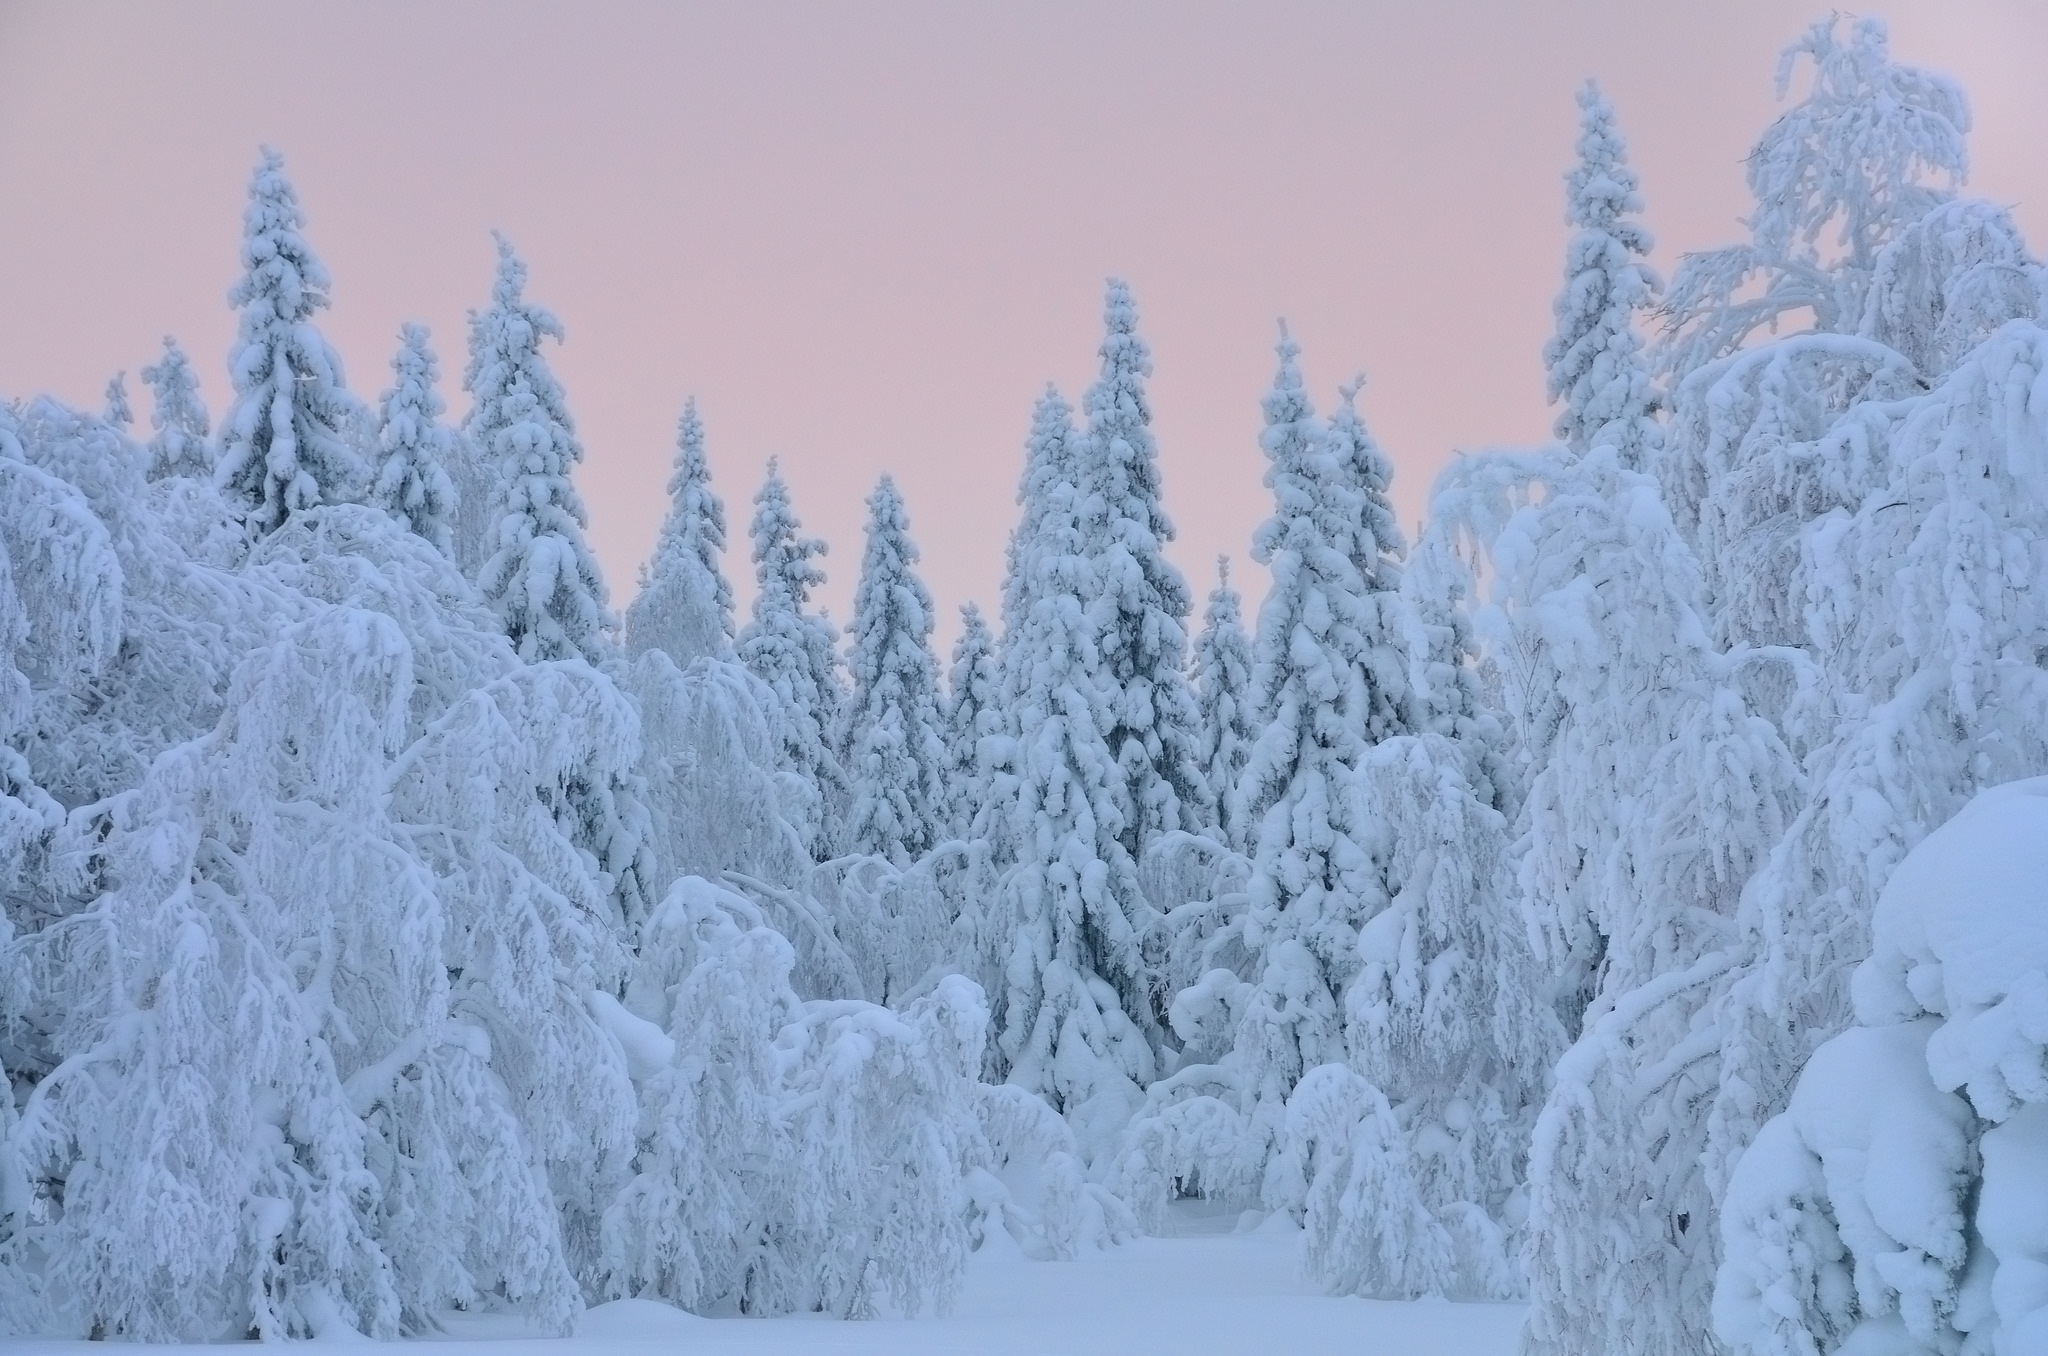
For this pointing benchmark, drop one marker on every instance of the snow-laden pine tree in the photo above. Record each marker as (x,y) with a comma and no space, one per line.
(1594,355)
(540,573)
(794,652)
(412,483)
(117,412)
(178,416)
(973,713)
(283,442)
(1076,1022)
(1223,682)
(891,740)
(684,605)
(1155,731)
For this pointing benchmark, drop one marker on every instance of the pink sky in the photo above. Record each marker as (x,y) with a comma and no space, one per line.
(865,235)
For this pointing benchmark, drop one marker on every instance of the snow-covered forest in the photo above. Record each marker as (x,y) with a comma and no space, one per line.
(1629,897)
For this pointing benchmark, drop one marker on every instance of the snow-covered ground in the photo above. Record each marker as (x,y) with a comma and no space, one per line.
(1208,1288)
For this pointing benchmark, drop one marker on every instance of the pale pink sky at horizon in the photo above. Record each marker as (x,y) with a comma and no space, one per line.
(865,236)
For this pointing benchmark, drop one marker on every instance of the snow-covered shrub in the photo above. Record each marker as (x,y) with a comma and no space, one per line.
(1897,1204)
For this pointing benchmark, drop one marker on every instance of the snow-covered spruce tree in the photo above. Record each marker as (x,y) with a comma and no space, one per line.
(283,443)
(1155,731)
(118,414)
(1594,356)
(891,740)
(1053,453)
(178,416)
(1223,692)
(973,713)
(540,574)
(684,605)
(1375,548)
(412,482)
(794,652)
(1076,1024)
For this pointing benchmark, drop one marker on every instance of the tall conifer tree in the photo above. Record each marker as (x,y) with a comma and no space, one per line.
(282,446)
(540,573)
(891,739)
(685,604)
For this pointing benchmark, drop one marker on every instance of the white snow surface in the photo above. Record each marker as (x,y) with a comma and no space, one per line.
(1210,1285)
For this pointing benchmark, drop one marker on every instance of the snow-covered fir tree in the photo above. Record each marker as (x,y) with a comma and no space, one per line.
(684,605)
(794,652)
(891,740)
(178,416)
(412,483)
(1594,353)
(540,573)
(117,412)
(1375,548)
(283,442)
(1154,733)
(1223,680)
(973,713)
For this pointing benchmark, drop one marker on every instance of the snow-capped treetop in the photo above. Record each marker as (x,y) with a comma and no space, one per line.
(696,513)
(179,417)
(412,447)
(1223,692)
(118,413)
(282,448)
(540,573)
(1594,356)
(685,604)
(1871,149)
(1378,544)
(892,741)
(1152,734)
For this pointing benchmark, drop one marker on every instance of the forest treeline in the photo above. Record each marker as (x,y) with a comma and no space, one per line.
(390,926)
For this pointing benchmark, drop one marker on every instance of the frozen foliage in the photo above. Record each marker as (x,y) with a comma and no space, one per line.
(973,713)
(283,443)
(1837,178)
(1154,730)
(793,652)
(348,940)
(539,572)
(1897,1204)
(1594,355)
(684,605)
(1223,674)
(891,739)
(178,416)
(412,482)
(793,1156)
